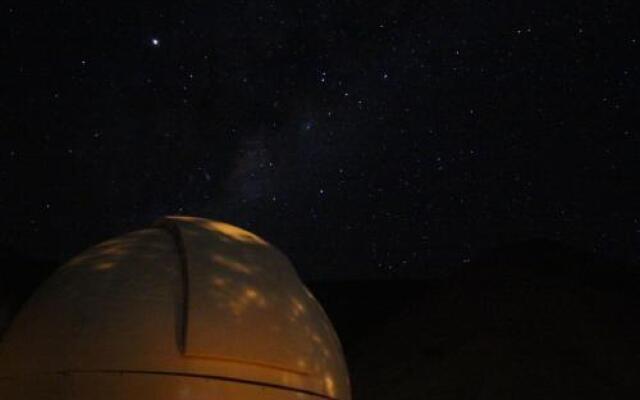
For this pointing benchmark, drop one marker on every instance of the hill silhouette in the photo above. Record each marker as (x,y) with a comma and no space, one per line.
(19,277)
(529,320)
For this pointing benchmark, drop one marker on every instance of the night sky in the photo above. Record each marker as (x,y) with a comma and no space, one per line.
(363,138)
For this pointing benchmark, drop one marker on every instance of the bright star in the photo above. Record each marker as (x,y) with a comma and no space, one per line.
(155,42)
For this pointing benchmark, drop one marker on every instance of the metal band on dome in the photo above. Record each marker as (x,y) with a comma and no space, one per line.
(201,376)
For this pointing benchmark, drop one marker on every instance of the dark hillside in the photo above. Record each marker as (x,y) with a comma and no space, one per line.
(531,320)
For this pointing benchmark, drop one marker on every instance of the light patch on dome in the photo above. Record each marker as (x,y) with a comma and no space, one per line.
(329,386)
(233,265)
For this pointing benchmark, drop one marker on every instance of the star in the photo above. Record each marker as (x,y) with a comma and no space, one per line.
(155,42)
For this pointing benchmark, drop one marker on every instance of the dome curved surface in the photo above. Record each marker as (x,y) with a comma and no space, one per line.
(188,300)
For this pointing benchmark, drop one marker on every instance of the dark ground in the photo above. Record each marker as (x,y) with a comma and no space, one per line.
(532,320)
(528,321)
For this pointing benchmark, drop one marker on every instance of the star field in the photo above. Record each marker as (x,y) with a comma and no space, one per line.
(365,139)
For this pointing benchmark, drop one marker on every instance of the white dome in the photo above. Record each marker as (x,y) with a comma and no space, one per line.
(185,310)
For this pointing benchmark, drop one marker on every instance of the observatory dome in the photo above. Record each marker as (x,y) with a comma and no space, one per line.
(187,309)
